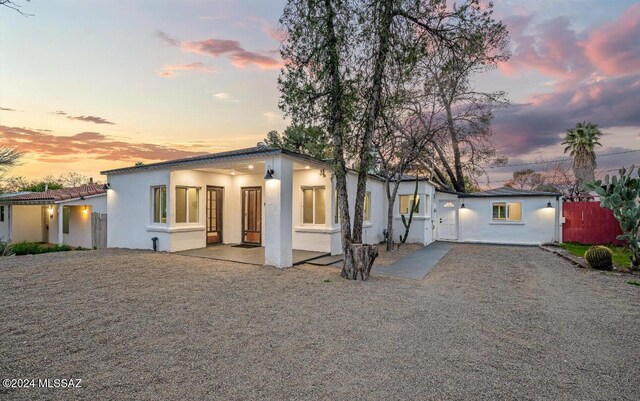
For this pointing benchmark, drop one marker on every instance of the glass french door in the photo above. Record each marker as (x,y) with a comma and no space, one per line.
(252,215)
(214,215)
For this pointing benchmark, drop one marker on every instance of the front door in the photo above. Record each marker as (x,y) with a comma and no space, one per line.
(252,215)
(447,220)
(214,215)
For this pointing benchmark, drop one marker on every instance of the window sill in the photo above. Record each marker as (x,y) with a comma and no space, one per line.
(175,229)
(507,223)
(415,217)
(317,229)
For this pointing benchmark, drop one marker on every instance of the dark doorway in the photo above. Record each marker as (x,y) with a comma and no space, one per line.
(252,215)
(214,214)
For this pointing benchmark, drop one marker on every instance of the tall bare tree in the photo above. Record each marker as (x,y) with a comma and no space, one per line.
(459,150)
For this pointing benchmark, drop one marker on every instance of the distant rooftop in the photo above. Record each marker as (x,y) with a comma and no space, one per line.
(55,195)
(507,192)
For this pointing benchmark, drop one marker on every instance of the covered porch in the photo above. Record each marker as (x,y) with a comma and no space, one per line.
(279,205)
(253,255)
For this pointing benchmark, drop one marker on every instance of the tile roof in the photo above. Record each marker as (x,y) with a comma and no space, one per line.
(506,192)
(57,195)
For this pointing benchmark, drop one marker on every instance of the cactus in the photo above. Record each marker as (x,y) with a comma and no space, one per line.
(407,223)
(622,196)
(599,257)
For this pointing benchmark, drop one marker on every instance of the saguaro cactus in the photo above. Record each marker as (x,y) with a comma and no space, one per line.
(622,196)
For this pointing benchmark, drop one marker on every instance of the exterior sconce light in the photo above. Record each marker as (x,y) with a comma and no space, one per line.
(50,210)
(269,174)
(549,205)
(106,186)
(84,210)
(462,206)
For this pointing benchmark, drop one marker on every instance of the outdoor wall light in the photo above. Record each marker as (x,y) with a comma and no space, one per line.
(84,210)
(462,206)
(549,205)
(106,186)
(269,174)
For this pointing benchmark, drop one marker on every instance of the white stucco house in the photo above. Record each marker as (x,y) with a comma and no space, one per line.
(283,201)
(61,216)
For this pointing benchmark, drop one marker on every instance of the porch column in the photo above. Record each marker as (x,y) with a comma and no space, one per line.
(278,224)
(60,220)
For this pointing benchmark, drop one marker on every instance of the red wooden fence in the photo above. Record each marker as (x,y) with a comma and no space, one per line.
(589,223)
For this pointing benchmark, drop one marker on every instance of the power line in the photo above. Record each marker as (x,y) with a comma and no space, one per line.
(563,159)
(596,171)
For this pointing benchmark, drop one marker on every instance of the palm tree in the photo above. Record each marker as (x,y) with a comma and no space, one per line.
(581,141)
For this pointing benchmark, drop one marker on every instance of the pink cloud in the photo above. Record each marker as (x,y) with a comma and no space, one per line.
(50,148)
(615,47)
(551,47)
(170,70)
(232,49)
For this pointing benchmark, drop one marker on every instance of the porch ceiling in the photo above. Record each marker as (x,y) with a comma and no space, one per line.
(246,167)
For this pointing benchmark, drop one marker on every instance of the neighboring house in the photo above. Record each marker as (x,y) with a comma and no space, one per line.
(502,215)
(55,216)
(283,200)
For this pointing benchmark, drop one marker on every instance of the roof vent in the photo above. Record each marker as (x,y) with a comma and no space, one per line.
(261,144)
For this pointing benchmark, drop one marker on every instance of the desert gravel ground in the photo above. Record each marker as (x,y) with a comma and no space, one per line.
(489,322)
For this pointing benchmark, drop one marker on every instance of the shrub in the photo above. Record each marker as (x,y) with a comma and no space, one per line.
(33,248)
(599,257)
(6,249)
(27,248)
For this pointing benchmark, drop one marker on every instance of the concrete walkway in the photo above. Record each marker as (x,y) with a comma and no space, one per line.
(415,265)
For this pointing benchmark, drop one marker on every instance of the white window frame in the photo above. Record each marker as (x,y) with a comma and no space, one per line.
(153,204)
(507,219)
(367,202)
(313,206)
(187,212)
(409,204)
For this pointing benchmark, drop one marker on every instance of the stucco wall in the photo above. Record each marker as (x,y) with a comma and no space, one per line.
(537,225)
(129,210)
(26,223)
(4,225)
(422,227)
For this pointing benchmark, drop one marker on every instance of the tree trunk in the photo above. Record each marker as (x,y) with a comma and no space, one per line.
(384,39)
(391,198)
(336,128)
(363,257)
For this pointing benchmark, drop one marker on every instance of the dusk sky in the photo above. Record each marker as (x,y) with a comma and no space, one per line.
(92,85)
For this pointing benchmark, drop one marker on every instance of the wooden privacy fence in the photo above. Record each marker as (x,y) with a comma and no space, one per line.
(98,230)
(589,223)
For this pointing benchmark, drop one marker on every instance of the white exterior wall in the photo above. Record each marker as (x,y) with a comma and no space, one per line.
(129,211)
(537,226)
(422,225)
(4,225)
(313,237)
(26,223)
(79,220)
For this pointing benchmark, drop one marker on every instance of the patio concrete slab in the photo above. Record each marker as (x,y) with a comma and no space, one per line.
(253,256)
(415,265)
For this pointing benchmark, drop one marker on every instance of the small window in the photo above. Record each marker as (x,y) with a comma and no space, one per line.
(367,207)
(65,219)
(405,203)
(187,204)
(1,213)
(503,211)
(160,204)
(313,205)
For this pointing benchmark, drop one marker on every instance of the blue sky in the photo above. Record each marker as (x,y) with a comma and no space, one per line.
(91,85)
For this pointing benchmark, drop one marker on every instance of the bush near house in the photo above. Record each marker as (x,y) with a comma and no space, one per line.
(620,258)
(33,248)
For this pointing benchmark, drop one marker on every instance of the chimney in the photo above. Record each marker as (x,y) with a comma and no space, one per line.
(46,187)
(90,180)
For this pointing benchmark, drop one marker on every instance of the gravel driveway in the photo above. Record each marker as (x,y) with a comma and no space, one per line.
(489,322)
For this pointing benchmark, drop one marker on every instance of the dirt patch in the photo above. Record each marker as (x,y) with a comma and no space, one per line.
(386,258)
